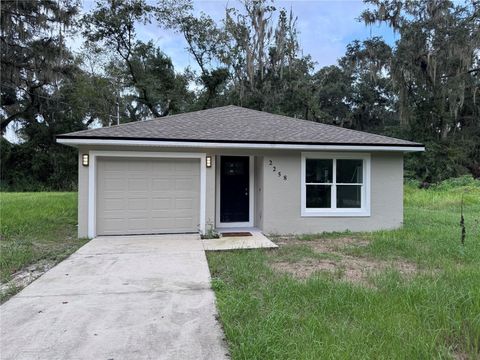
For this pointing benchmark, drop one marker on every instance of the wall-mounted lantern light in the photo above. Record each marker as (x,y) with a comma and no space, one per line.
(209,161)
(85,159)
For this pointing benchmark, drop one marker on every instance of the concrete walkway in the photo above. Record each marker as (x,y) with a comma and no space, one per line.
(125,297)
(255,241)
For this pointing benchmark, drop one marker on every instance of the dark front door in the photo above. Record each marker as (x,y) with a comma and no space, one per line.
(234,187)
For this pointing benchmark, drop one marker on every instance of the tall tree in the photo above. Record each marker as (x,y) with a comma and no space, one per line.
(435,71)
(358,92)
(44,92)
(38,162)
(149,79)
(436,58)
(370,97)
(331,96)
(152,75)
(251,59)
(205,43)
(34,58)
(264,55)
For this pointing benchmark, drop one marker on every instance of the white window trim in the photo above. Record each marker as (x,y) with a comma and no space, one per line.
(92,180)
(364,211)
(251,199)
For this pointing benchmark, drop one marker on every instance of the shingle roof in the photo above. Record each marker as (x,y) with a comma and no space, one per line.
(233,124)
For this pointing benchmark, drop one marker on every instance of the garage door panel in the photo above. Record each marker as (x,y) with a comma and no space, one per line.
(167,167)
(138,203)
(113,201)
(114,166)
(162,184)
(187,204)
(114,214)
(162,203)
(137,193)
(158,215)
(114,194)
(139,166)
(138,224)
(182,213)
(184,184)
(138,184)
(147,196)
(114,183)
(185,168)
(111,225)
(186,195)
(114,204)
(164,226)
(183,222)
(138,214)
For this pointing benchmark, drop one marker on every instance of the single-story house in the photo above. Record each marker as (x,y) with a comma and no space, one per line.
(232,167)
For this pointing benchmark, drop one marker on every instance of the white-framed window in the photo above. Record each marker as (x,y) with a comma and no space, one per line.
(335,184)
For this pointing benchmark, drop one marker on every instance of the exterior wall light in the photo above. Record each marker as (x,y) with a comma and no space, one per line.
(209,161)
(85,159)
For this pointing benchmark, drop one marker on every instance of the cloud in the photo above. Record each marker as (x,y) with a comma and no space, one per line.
(325,28)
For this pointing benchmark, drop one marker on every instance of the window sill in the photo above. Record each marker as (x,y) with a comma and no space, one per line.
(335,213)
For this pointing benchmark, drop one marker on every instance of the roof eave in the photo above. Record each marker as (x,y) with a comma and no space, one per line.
(77,141)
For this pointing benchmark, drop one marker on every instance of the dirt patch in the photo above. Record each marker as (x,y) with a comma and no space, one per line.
(25,276)
(460,356)
(305,268)
(350,268)
(323,245)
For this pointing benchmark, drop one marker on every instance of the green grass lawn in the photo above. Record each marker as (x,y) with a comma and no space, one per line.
(434,313)
(34,227)
(270,314)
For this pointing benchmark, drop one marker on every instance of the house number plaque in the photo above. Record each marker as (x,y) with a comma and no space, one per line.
(276,170)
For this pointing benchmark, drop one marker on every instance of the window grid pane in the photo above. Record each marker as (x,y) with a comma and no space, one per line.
(319,196)
(347,194)
(319,171)
(349,171)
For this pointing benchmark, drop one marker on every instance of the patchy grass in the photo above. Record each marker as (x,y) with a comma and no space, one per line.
(434,313)
(303,258)
(297,252)
(35,227)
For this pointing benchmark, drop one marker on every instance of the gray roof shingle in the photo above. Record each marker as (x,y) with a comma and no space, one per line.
(233,124)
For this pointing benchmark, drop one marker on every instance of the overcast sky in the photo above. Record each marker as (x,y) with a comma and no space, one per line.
(325,27)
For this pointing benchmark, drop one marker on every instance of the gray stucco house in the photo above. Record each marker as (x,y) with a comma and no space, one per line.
(231,167)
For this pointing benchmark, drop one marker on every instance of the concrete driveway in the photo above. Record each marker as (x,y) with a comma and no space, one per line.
(123,297)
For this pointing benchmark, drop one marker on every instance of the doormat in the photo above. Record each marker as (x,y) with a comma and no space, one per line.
(234,234)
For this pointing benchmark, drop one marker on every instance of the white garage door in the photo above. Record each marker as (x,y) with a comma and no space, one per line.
(147,196)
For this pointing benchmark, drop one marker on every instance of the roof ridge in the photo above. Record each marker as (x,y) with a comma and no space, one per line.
(149,120)
(233,122)
(319,123)
(187,112)
(290,118)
